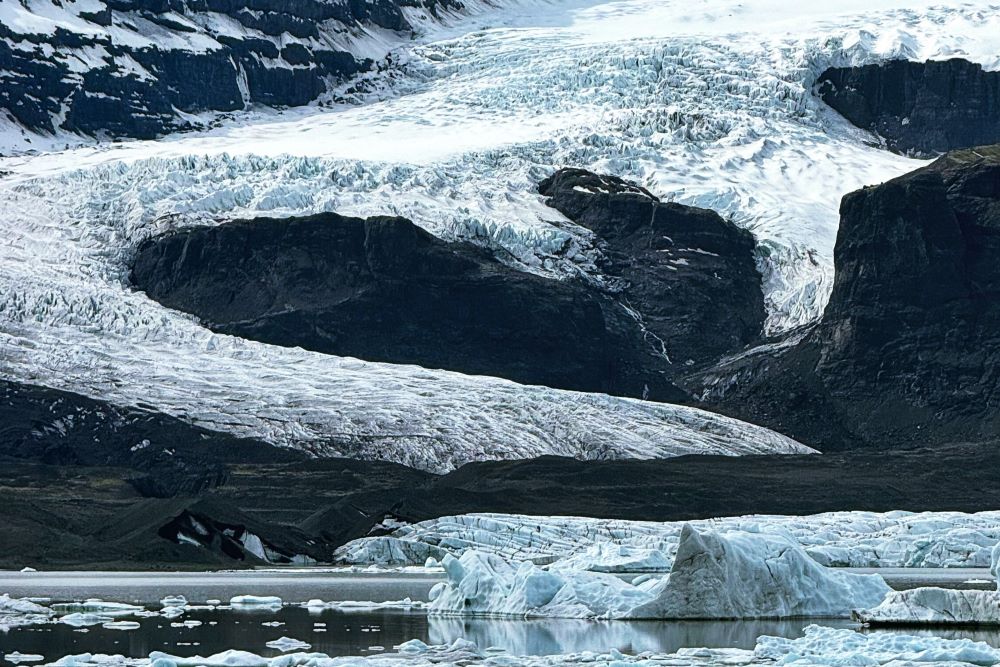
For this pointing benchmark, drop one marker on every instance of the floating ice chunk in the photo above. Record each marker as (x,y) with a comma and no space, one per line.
(935,606)
(28,569)
(98,606)
(17,657)
(174,601)
(314,604)
(286,644)
(255,601)
(82,619)
(847,648)
(229,658)
(121,625)
(172,612)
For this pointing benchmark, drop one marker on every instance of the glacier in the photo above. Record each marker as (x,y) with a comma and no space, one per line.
(834,539)
(706,105)
(738,575)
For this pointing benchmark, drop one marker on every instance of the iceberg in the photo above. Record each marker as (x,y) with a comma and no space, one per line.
(714,576)
(16,612)
(834,539)
(935,606)
(98,606)
(286,644)
(255,601)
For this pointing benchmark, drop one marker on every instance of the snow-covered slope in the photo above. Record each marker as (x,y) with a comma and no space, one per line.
(854,539)
(702,103)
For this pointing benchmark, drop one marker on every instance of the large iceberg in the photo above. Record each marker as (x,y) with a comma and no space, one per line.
(737,575)
(835,539)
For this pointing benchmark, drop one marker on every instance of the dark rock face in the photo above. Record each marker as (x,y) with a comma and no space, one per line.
(688,274)
(382,289)
(922,109)
(187,56)
(908,350)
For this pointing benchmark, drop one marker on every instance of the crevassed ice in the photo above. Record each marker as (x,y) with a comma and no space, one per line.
(843,539)
(711,107)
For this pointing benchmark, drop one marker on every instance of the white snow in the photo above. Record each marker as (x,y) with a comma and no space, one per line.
(848,539)
(704,103)
(739,575)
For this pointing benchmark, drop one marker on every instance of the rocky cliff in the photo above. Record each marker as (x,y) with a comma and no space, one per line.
(142,68)
(908,351)
(922,109)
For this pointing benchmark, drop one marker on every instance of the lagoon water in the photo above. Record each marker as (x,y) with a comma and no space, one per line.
(361,632)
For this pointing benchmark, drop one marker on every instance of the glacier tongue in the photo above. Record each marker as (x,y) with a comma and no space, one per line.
(691,103)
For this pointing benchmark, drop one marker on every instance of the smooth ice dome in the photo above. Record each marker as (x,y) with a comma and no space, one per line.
(737,575)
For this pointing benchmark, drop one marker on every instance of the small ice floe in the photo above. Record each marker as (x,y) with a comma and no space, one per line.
(81,619)
(272,624)
(213,602)
(255,601)
(121,625)
(98,606)
(172,612)
(286,644)
(17,657)
(186,624)
(363,605)
(174,601)
(28,569)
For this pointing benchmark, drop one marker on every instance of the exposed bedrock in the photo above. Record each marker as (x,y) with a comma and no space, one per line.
(139,68)
(382,289)
(908,349)
(922,109)
(687,274)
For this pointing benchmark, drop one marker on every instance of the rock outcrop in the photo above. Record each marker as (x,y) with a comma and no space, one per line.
(922,109)
(908,351)
(382,289)
(686,273)
(141,68)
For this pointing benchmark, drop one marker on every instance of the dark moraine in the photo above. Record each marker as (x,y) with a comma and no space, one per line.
(923,109)
(382,289)
(908,349)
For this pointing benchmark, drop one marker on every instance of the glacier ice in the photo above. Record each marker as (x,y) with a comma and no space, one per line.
(935,606)
(842,539)
(714,576)
(704,106)
(846,648)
